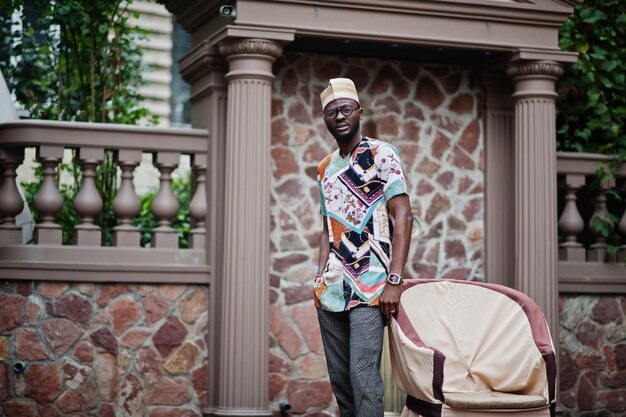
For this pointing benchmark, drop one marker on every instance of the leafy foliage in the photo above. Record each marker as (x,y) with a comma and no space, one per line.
(592,95)
(592,104)
(73,59)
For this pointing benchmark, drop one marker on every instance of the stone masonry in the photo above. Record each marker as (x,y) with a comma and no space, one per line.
(102,350)
(593,355)
(432,114)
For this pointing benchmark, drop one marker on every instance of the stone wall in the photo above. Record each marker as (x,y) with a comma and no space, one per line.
(593,355)
(432,114)
(102,350)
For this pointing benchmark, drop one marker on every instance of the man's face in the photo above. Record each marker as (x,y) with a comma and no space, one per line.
(343,127)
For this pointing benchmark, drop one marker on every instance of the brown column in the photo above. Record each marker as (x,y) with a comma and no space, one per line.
(536,240)
(205,70)
(243,385)
(499,191)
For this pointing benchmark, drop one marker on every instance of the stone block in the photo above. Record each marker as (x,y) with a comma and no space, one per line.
(105,367)
(169,391)
(169,336)
(171,292)
(44,381)
(60,334)
(12,312)
(131,398)
(303,395)
(124,313)
(104,339)
(19,408)
(28,346)
(69,402)
(182,360)
(148,362)
(72,306)
(193,305)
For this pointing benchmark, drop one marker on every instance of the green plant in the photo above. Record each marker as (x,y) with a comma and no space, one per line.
(73,59)
(592,94)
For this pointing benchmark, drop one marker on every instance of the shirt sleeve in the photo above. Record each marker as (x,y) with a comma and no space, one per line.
(387,161)
(319,187)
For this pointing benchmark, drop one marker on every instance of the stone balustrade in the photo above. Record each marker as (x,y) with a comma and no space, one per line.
(585,262)
(86,259)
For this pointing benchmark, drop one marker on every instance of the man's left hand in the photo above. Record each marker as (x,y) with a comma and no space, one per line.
(389,300)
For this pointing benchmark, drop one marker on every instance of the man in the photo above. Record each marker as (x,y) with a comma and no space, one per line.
(362,252)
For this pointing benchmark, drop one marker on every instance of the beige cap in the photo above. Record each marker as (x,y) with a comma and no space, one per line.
(338,88)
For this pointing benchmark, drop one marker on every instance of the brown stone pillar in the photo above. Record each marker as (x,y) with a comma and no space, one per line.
(536,241)
(243,385)
(205,70)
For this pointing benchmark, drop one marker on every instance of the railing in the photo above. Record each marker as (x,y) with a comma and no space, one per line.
(86,260)
(585,262)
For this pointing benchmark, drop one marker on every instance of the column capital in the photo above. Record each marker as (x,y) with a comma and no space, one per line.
(253,46)
(518,69)
(200,61)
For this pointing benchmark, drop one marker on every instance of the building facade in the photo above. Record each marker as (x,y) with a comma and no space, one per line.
(465,90)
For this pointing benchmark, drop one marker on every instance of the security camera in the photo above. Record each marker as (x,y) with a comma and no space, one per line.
(228,11)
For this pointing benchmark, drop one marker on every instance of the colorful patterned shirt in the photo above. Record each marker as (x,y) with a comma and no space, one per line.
(353,196)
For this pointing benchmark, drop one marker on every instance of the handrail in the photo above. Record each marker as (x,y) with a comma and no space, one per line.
(76,134)
(583,163)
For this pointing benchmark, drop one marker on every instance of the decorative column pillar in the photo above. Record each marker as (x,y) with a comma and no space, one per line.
(244,328)
(536,241)
(499,190)
(205,70)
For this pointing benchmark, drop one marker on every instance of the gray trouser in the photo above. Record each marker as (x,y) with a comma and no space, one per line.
(353,342)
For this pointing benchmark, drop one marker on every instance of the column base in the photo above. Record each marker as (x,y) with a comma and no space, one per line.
(197,238)
(48,234)
(621,255)
(164,237)
(126,237)
(10,234)
(242,412)
(572,254)
(599,254)
(87,235)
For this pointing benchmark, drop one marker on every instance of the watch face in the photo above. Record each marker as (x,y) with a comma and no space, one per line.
(394,279)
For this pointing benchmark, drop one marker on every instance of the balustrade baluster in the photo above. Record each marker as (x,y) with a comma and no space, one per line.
(198,204)
(88,203)
(48,200)
(571,223)
(165,206)
(598,251)
(126,204)
(11,203)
